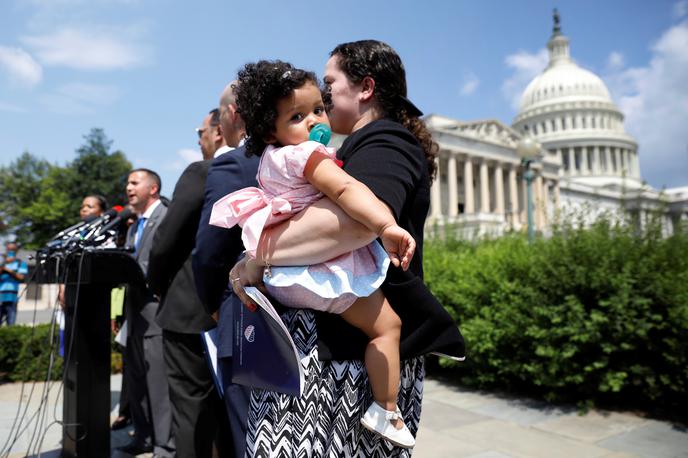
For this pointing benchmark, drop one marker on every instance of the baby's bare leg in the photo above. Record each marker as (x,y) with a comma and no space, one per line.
(374,316)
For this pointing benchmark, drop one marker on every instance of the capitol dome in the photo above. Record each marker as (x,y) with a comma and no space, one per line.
(564,80)
(569,110)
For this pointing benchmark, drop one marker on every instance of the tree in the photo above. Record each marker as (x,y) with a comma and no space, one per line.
(20,186)
(96,170)
(40,199)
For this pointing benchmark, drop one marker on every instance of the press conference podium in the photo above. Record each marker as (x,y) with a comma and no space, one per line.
(90,276)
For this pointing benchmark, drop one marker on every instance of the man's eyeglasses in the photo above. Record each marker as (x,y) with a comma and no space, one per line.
(200,130)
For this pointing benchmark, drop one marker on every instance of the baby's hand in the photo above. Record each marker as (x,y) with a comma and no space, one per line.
(399,245)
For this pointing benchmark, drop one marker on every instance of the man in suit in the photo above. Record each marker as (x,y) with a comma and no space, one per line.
(198,416)
(216,252)
(150,405)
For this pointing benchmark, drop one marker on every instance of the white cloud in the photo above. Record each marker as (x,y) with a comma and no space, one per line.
(64,105)
(79,98)
(680,9)
(104,48)
(615,61)
(99,94)
(4,106)
(185,157)
(654,99)
(470,84)
(20,66)
(525,67)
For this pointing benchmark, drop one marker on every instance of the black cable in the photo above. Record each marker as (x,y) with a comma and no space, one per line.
(40,405)
(20,430)
(47,387)
(68,358)
(5,450)
(71,346)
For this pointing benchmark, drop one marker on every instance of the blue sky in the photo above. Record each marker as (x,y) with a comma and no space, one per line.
(147,71)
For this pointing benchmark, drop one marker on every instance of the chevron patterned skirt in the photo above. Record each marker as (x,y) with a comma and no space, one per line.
(325,420)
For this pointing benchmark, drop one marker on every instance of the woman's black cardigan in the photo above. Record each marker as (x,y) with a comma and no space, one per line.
(387,158)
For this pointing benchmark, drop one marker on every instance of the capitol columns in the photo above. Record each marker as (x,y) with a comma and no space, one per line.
(539,219)
(499,189)
(468,195)
(436,192)
(453,186)
(572,161)
(585,170)
(484,188)
(608,154)
(596,164)
(617,152)
(627,160)
(513,196)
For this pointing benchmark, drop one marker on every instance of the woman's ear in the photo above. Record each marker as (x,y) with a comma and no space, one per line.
(367,89)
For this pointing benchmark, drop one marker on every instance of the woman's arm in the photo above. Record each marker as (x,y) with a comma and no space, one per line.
(359,202)
(319,233)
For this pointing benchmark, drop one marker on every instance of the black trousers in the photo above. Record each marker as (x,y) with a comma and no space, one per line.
(199,420)
(124,393)
(149,401)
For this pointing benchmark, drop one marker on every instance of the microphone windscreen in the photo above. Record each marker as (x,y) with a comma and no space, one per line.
(110,213)
(126,213)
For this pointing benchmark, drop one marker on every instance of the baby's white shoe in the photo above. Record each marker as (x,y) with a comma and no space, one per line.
(378,419)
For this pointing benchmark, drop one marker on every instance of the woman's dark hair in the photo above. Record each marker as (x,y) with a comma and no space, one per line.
(378,60)
(259,87)
(102,201)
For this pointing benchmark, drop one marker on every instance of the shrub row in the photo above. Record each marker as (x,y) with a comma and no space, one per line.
(589,314)
(25,354)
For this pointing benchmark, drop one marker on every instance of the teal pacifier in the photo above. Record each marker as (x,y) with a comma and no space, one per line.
(320,133)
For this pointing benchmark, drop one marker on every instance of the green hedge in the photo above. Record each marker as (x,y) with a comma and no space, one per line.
(25,354)
(590,314)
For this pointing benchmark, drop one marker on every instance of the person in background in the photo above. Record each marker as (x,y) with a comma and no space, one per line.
(210,137)
(148,383)
(199,420)
(215,253)
(12,272)
(92,206)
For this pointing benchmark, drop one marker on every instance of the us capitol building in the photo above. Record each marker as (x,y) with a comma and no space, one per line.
(587,163)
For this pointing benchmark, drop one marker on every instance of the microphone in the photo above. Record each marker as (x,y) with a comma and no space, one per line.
(90,230)
(102,233)
(73,229)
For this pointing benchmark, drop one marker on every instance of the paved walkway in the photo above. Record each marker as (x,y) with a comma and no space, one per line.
(456,423)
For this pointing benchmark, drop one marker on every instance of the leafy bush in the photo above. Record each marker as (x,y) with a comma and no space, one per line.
(589,314)
(25,354)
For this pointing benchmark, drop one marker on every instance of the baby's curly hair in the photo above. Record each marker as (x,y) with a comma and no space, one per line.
(259,87)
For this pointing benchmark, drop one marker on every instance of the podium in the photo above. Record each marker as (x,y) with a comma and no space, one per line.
(89,277)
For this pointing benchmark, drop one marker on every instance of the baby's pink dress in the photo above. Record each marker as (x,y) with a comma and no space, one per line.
(331,286)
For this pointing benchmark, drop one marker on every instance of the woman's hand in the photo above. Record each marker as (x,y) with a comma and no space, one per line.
(246,272)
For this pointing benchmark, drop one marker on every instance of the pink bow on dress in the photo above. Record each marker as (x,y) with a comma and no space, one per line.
(251,209)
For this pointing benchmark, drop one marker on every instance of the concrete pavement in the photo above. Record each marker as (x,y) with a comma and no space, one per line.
(456,422)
